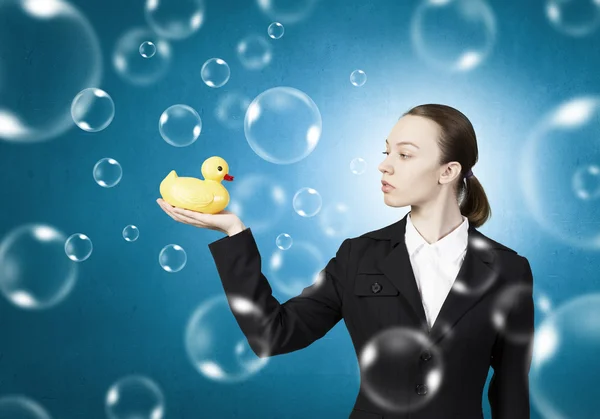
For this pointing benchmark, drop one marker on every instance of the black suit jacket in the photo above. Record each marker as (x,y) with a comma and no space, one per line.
(371,285)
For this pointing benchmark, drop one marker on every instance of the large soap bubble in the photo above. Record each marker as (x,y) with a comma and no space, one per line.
(49,52)
(562,187)
(34,271)
(574,17)
(17,406)
(215,344)
(283,125)
(453,35)
(175,19)
(564,375)
(135,397)
(386,362)
(132,66)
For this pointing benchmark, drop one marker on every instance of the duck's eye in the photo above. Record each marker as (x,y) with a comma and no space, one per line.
(219,168)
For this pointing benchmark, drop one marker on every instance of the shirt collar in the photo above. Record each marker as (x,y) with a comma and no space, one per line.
(449,247)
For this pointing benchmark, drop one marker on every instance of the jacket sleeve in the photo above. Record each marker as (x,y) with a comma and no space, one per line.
(508,392)
(279,328)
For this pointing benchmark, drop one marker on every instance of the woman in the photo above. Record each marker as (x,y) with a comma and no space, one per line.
(431,272)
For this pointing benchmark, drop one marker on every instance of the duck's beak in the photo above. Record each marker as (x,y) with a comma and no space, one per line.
(228,177)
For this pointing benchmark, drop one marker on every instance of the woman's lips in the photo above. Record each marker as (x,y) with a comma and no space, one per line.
(386,187)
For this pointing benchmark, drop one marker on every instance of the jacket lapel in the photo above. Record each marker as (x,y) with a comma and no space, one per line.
(470,286)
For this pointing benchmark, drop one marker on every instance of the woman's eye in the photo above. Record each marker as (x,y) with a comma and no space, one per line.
(386,152)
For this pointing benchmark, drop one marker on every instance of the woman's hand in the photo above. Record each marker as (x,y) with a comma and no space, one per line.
(224,221)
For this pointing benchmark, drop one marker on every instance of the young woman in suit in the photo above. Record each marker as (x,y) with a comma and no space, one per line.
(432,272)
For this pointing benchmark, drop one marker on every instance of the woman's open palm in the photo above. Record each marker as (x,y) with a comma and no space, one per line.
(223,221)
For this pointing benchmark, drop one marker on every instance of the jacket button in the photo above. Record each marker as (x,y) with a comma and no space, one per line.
(421,389)
(376,287)
(426,356)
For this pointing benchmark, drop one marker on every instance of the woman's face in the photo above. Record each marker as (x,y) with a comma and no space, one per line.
(412,170)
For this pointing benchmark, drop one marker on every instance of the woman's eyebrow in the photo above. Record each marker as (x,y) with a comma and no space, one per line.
(404,142)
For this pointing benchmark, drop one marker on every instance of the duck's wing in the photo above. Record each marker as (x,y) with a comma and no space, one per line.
(195,196)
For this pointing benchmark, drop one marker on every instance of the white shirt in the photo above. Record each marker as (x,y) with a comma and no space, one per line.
(436,265)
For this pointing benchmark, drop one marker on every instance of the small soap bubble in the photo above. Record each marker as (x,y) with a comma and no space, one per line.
(231,109)
(180,125)
(276,30)
(358,78)
(358,166)
(254,52)
(135,397)
(284,241)
(172,258)
(78,247)
(92,109)
(147,49)
(107,172)
(131,233)
(215,72)
(307,202)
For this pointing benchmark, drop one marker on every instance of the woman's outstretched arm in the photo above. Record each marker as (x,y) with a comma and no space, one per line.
(508,392)
(285,327)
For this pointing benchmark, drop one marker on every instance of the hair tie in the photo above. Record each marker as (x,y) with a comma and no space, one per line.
(468,175)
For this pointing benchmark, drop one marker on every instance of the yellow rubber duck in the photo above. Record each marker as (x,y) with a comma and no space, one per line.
(206,196)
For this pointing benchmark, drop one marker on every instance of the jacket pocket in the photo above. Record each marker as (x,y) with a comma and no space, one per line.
(369,284)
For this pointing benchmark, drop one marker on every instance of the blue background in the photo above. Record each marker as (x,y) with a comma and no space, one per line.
(127,315)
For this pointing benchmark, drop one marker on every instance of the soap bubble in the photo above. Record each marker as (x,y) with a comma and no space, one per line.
(36,37)
(453,35)
(180,125)
(562,378)
(17,406)
(132,66)
(258,200)
(284,241)
(38,285)
(172,258)
(358,166)
(335,220)
(231,109)
(131,233)
(574,17)
(175,19)
(215,72)
(135,396)
(307,202)
(293,269)
(92,109)
(276,30)
(107,172)
(287,11)
(78,247)
(254,52)
(283,125)
(358,78)
(216,346)
(514,300)
(563,192)
(147,49)
(385,362)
